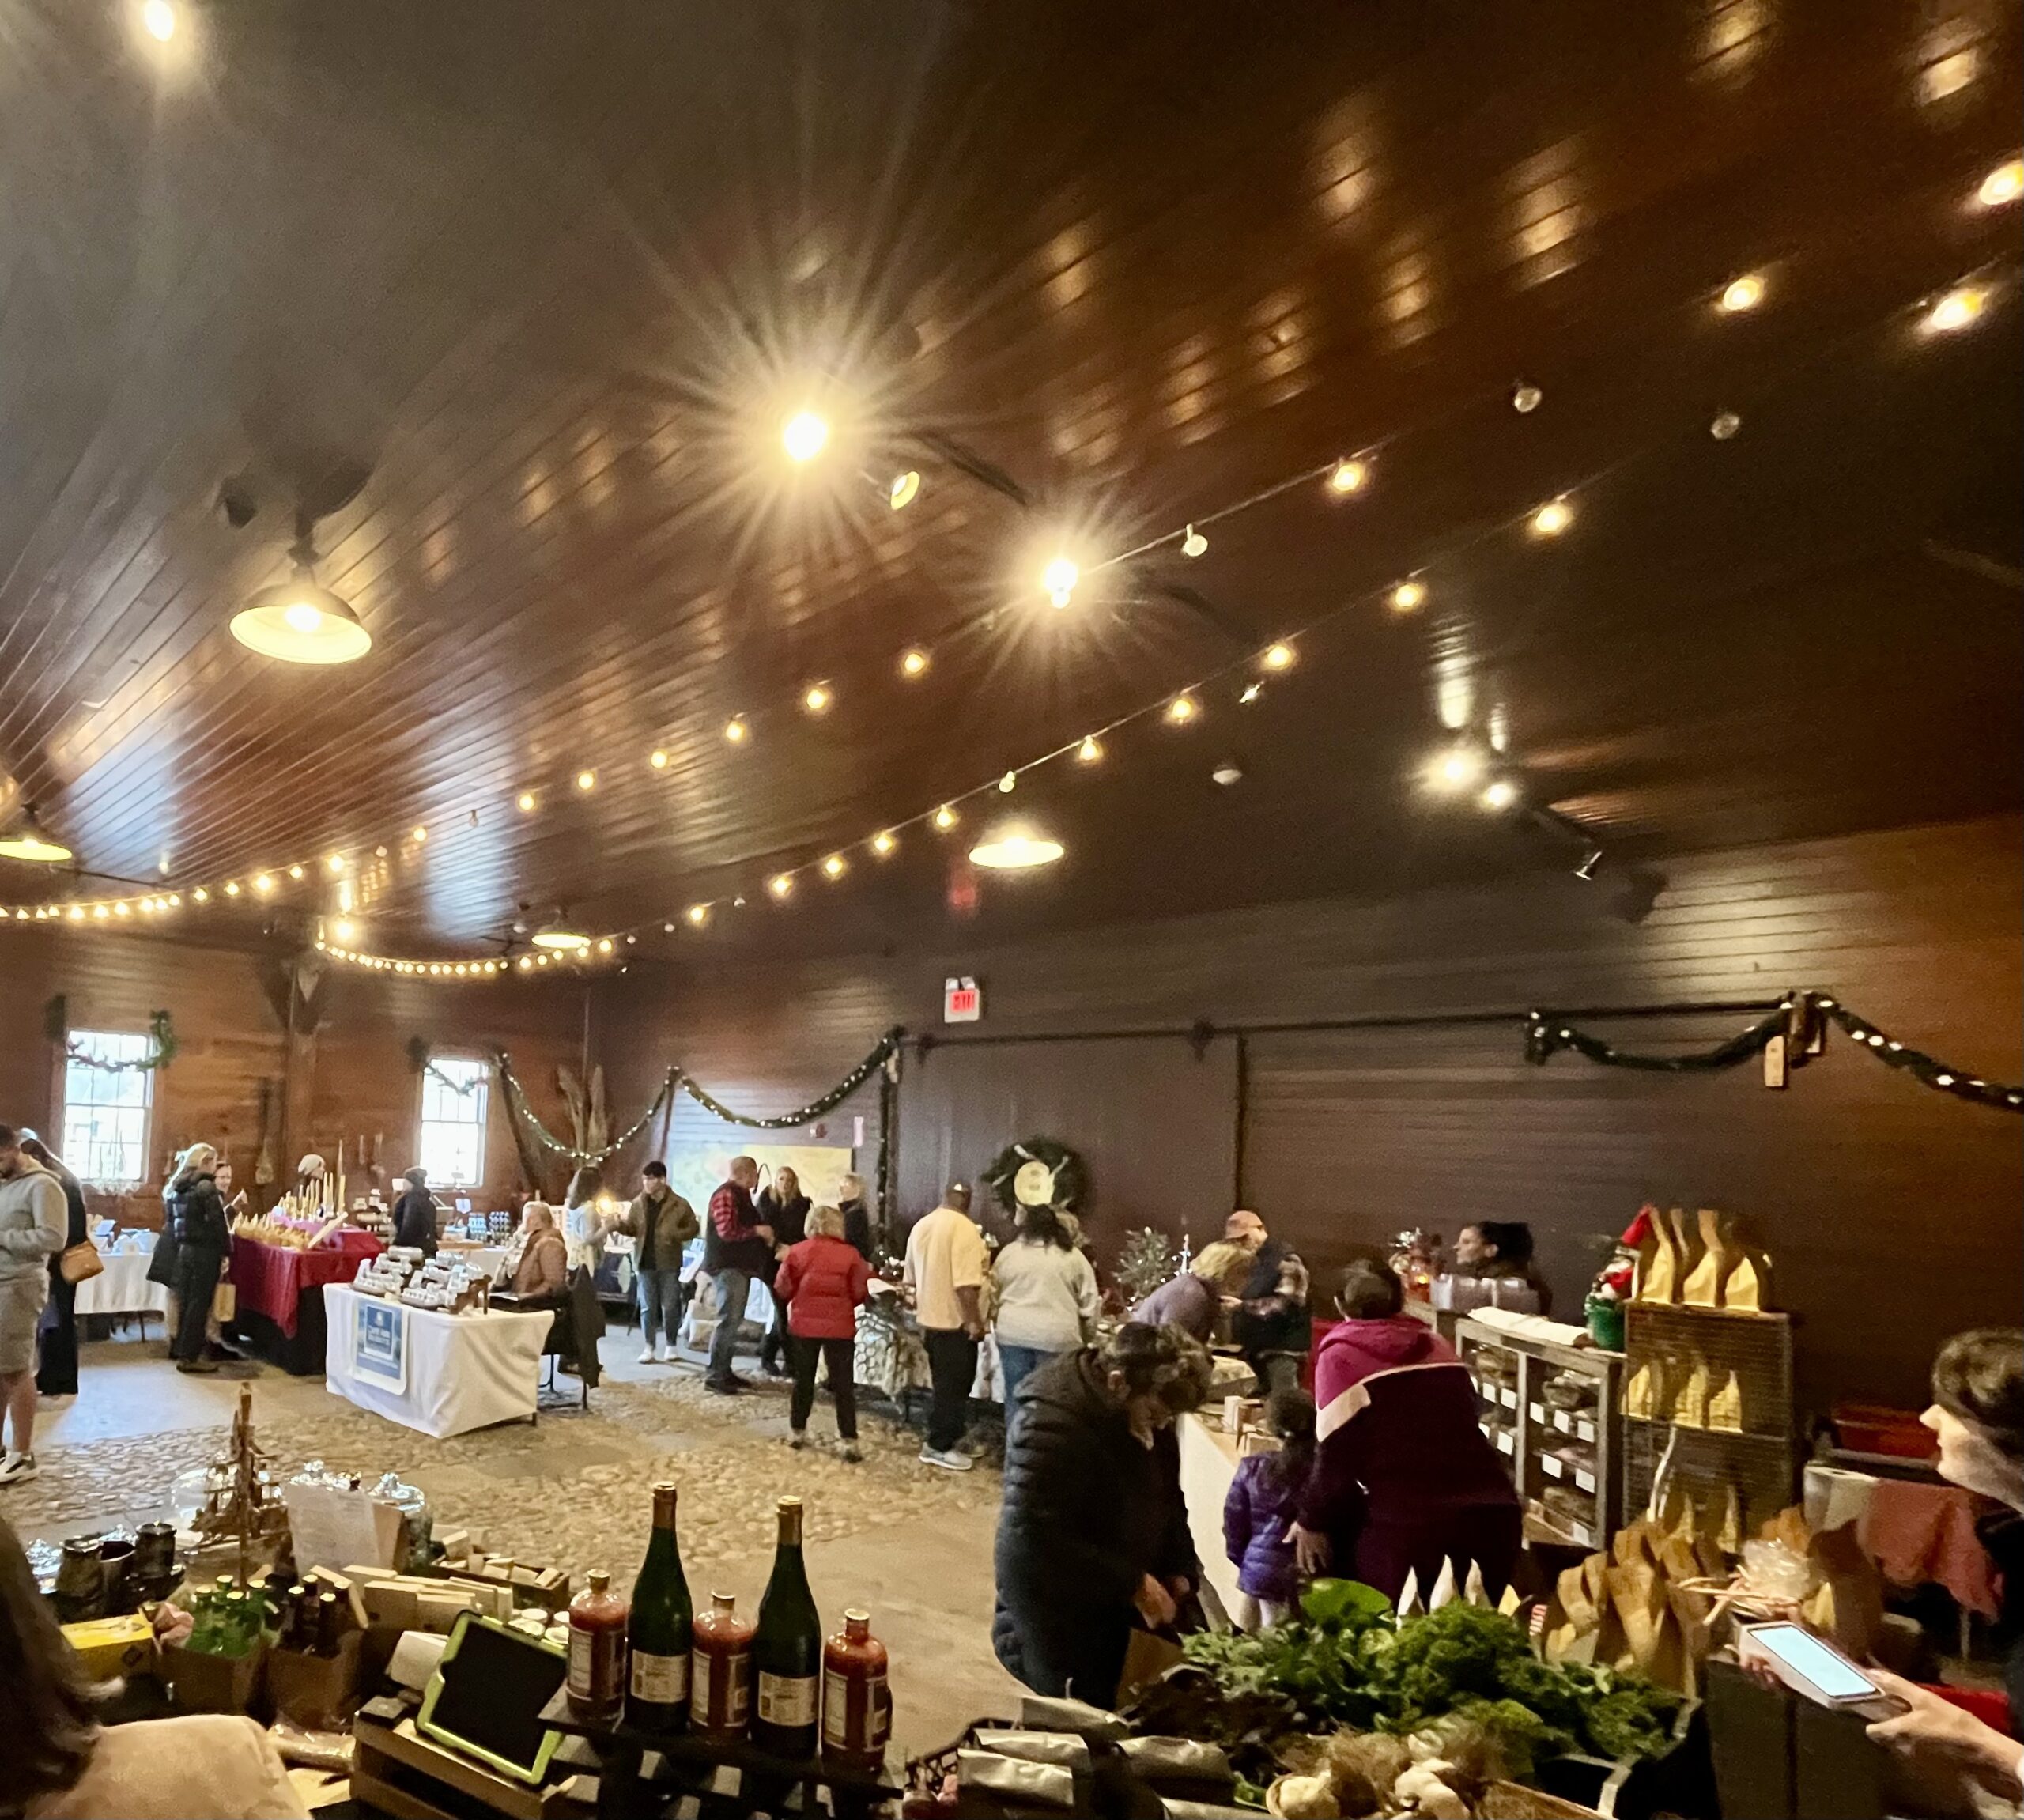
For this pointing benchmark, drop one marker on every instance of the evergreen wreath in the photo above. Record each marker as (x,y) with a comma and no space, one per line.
(1071,1176)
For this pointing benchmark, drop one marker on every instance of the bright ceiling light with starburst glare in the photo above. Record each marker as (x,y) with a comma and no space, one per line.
(1059,578)
(804,436)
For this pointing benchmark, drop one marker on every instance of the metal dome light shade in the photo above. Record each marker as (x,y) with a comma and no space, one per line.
(299,622)
(24,838)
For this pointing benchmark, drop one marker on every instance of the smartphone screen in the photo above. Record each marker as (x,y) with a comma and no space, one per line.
(1821,1663)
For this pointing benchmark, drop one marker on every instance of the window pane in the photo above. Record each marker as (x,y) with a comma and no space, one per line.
(453,1121)
(105,1111)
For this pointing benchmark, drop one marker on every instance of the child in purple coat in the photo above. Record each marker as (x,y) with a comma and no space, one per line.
(1262,1502)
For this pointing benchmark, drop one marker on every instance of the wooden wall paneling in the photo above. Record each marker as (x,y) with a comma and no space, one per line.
(1861,1177)
(1154,1121)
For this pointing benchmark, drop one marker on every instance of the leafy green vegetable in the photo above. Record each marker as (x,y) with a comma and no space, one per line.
(1346,1661)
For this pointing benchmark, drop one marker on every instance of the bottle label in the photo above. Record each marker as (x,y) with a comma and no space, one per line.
(723,1688)
(787,1701)
(660,1680)
(597,1664)
(866,1728)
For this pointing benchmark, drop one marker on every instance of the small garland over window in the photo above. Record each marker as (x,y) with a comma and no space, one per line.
(161,1036)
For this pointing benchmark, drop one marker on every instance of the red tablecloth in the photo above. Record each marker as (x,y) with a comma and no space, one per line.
(269,1280)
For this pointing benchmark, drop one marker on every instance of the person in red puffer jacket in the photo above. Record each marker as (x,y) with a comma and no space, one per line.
(821,1283)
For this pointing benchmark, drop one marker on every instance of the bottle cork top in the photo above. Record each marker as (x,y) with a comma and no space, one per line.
(723,1601)
(857,1623)
(599,1580)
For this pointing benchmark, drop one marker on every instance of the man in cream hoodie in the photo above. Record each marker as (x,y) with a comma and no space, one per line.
(33,1218)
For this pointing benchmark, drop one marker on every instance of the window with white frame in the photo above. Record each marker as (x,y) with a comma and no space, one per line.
(453,1106)
(105,1107)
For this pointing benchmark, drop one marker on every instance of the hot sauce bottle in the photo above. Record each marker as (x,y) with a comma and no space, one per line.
(597,1651)
(720,1705)
(857,1703)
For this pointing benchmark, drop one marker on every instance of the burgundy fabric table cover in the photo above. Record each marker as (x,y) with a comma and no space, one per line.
(271,1280)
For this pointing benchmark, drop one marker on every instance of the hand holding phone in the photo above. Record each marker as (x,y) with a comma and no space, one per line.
(1811,1665)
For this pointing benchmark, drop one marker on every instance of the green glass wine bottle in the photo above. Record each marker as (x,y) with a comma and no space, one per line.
(658,1632)
(786,1651)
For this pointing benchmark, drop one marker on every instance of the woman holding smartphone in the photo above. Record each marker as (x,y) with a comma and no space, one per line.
(1977,1414)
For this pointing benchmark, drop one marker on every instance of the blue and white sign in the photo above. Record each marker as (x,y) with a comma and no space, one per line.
(380,1343)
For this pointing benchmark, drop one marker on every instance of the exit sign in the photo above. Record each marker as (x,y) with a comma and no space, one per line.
(962,1001)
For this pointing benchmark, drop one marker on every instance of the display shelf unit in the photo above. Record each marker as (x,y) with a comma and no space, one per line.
(1566,1439)
(1751,1446)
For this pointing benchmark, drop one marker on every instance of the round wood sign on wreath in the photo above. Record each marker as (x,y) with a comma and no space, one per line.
(1038,1172)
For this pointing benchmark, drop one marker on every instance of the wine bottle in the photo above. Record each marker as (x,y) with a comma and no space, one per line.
(658,1631)
(786,1651)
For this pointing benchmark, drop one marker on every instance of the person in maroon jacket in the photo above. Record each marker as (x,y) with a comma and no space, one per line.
(1403,1478)
(821,1283)
(737,1246)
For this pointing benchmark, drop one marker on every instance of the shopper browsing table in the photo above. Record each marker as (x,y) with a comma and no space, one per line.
(1269,1323)
(737,1247)
(31,1226)
(1403,1477)
(660,1223)
(857,1216)
(1093,1537)
(821,1283)
(946,1259)
(203,1243)
(1047,1298)
(414,1214)
(1194,1299)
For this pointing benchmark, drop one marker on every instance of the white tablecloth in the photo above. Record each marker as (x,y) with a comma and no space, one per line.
(122,1288)
(1208,1466)
(461,1371)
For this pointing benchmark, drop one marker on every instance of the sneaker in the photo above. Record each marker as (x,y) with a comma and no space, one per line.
(647,1354)
(950,1462)
(196,1367)
(666,1355)
(18,1468)
(723,1386)
(850,1451)
(797,1439)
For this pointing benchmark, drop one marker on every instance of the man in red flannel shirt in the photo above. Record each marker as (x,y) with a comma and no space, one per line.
(736,1248)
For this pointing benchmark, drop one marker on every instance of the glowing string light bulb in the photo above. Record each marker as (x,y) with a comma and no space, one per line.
(1008,783)
(1059,578)
(1194,543)
(882,842)
(699,914)
(735,730)
(1090,750)
(1957,309)
(1348,475)
(2003,185)
(817,698)
(1182,710)
(913,661)
(1408,597)
(1552,518)
(945,818)
(657,759)
(1743,293)
(835,866)
(1277,656)
(780,884)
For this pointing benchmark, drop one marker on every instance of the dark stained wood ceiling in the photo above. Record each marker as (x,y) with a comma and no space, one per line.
(550,278)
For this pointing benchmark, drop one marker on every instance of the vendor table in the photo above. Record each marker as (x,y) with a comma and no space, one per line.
(122,1288)
(444,1374)
(279,1313)
(1208,1467)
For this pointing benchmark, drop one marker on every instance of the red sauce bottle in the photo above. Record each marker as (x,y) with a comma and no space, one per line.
(857,1703)
(597,1651)
(720,1658)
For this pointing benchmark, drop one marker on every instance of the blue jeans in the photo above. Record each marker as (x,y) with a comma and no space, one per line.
(734,1290)
(1013,1363)
(660,1305)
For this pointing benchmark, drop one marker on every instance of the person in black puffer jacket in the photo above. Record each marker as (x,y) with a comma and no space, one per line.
(1093,1537)
(203,1241)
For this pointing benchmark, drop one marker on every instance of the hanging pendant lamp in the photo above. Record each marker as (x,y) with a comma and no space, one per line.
(26,839)
(297,620)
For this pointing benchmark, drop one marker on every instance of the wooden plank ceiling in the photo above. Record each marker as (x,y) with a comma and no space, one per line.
(550,277)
